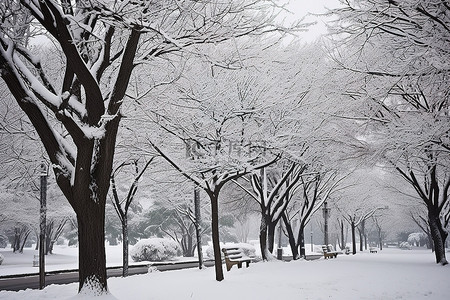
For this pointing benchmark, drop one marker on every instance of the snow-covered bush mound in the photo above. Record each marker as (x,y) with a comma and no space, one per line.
(248,249)
(155,249)
(405,246)
(3,241)
(1,258)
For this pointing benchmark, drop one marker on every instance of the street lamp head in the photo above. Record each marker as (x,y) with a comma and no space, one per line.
(43,168)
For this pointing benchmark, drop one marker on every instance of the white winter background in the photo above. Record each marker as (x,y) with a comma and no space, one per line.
(389,274)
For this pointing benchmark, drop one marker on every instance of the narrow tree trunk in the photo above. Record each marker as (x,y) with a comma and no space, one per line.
(363,231)
(365,241)
(37,242)
(215,235)
(361,240)
(291,238)
(380,238)
(24,241)
(91,248)
(15,245)
(125,246)
(353,237)
(197,225)
(263,237)
(343,243)
(48,228)
(380,241)
(439,236)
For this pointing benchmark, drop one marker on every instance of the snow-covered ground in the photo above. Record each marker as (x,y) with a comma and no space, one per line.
(389,274)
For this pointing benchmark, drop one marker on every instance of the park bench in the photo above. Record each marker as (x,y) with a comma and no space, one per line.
(373,250)
(327,253)
(235,256)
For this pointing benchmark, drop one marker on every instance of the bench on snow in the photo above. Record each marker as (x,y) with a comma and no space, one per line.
(235,256)
(328,254)
(373,250)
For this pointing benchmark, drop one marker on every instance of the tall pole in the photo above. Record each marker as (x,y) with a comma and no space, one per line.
(197,226)
(280,249)
(325,216)
(42,224)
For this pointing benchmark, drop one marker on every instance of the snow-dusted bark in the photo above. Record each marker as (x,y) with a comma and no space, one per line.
(76,128)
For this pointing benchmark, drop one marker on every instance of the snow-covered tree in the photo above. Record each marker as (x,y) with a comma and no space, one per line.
(123,203)
(219,127)
(360,199)
(272,189)
(399,50)
(77,115)
(315,188)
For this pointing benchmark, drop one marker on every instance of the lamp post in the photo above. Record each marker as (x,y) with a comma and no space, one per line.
(197,226)
(190,150)
(326,214)
(279,249)
(42,223)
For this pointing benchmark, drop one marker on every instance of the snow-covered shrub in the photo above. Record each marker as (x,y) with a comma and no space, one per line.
(155,249)
(417,239)
(1,258)
(248,249)
(3,241)
(405,246)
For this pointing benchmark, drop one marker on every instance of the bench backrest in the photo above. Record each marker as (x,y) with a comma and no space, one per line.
(329,248)
(233,253)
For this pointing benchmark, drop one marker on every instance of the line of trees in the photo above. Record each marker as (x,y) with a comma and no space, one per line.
(209,88)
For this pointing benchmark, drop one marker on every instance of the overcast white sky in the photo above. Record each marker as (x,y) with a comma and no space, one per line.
(302,8)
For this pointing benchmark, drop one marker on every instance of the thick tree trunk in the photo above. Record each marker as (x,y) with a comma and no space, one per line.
(301,240)
(188,246)
(361,240)
(439,236)
(271,235)
(343,243)
(353,237)
(91,239)
(15,245)
(430,243)
(215,235)
(125,246)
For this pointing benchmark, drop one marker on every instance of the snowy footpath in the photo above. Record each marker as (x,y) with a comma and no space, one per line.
(389,274)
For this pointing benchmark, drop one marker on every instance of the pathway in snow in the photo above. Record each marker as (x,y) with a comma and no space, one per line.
(389,274)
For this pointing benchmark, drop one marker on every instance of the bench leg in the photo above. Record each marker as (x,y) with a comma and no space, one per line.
(248,263)
(239,265)
(229,267)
